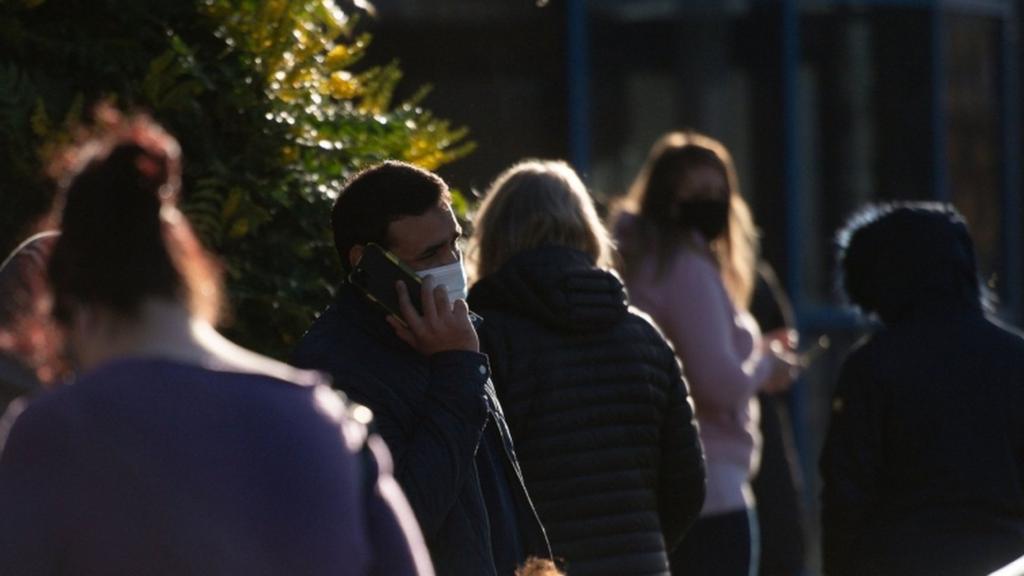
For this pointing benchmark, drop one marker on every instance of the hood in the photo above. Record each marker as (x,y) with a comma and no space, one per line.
(558,287)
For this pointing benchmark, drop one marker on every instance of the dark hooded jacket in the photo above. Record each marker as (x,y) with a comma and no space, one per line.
(598,409)
(442,421)
(923,463)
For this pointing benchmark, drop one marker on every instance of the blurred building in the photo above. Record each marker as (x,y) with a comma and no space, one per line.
(826,104)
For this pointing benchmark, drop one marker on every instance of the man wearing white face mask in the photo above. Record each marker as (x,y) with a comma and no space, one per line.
(424,376)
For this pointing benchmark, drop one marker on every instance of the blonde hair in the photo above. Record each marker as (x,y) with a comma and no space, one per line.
(653,196)
(538,567)
(536,203)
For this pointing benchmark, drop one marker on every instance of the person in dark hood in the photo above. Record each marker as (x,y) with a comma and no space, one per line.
(923,463)
(594,395)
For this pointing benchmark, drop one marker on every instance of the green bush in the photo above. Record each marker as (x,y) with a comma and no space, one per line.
(272,109)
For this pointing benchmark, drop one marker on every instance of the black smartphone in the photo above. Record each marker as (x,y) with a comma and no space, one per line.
(375,276)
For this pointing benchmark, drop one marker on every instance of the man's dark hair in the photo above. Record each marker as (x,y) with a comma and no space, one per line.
(376,197)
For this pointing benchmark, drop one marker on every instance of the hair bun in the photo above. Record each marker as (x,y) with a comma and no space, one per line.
(115,250)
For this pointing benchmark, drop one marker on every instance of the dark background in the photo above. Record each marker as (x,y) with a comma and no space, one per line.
(825,105)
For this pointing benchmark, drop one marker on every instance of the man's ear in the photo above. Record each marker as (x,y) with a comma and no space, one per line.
(355,254)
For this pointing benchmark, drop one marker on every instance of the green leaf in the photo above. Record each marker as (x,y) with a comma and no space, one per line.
(262,163)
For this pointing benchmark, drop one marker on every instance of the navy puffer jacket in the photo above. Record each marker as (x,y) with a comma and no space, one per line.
(598,410)
(442,423)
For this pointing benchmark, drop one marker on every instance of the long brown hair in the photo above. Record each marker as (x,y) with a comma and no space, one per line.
(653,198)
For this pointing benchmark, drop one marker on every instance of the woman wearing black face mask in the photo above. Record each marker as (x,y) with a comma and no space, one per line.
(689,254)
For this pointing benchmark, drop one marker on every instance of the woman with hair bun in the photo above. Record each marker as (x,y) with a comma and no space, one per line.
(177,451)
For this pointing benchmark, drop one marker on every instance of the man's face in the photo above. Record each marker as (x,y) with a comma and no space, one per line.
(428,240)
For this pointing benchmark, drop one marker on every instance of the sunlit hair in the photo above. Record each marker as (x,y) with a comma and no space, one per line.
(900,260)
(538,567)
(536,203)
(123,239)
(653,197)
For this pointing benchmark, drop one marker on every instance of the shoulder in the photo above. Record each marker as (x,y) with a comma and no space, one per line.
(1011,334)
(644,331)
(868,356)
(642,323)
(326,327)
(869,345)
(328,344)
(45,427)
(1002,340)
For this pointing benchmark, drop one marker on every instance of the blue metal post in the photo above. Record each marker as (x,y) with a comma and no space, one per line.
(939,124)
(790,76)
(1011,192)
(578,78)
(790,148)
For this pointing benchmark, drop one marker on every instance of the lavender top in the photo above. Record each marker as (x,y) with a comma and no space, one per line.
(148,466)
(719,347)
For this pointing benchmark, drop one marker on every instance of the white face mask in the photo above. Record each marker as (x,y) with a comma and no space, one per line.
(453,276)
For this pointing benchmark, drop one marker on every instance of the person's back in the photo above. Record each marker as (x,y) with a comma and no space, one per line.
(598,410)
(168,468)
(593,393)
(923,463)
(939,403)
(177,451)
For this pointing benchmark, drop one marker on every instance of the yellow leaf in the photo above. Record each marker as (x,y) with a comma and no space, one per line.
(337,56)
(343,86)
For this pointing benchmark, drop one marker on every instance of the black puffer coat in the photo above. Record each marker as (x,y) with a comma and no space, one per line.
(598,410)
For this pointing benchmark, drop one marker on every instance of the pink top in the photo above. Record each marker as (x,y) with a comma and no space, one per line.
(720,349)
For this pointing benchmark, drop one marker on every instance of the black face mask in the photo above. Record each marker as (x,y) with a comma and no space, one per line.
(709,217)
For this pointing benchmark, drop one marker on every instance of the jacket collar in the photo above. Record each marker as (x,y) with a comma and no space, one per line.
(557,286)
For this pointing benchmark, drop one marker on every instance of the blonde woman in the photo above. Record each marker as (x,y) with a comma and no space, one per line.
(593,394)
(689,251)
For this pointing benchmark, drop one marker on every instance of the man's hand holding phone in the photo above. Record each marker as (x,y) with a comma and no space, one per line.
(443,326)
